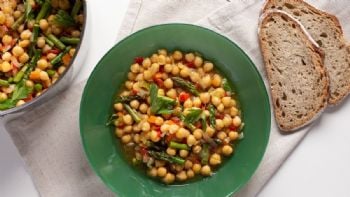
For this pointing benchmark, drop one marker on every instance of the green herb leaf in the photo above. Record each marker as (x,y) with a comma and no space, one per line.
(111,119)
(160,104)
(212,112)
(193,116)
(226,85)
(63,19)
(204,122)
(204,154)
(21,91)
(7,104)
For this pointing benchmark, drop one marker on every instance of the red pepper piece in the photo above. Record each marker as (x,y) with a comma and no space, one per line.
(143,151)
(183,96)
(54,51)
(138,60)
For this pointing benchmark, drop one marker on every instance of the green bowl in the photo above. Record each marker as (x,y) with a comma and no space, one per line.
(103,149)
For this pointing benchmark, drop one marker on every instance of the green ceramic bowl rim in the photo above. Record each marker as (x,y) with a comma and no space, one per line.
(93,165)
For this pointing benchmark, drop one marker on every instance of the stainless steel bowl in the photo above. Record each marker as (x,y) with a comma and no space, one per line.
(65,79)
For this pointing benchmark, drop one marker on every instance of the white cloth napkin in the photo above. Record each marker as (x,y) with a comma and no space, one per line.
(50,144)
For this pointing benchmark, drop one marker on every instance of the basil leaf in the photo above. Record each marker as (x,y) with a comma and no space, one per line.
(193,116)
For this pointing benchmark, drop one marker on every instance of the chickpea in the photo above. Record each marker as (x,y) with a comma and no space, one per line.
(190,173)
(2,18)
(197,102)
(118,107)
(220,107)
(126,138)
(75,33)
(182,133)
(184,72)
(154,136)
(219,124)
(6,39)
(196,168)
(146,63)
(183,153)
(145,126)
(188,164)
(191,140)
(188,103)
(127,119)
(226,101)
(17,51)
(5,67)
(205,170)
(6,56)
(42,64)
(171,151)
(161,171)
(168,83)
(233,135)
(197,134)
(135,104)
(29,83)
(135,68)
(24,58)
(3,96)
(61,70)
(236,121)
(154,58)
(44,76)
(169,178)
(159,163)
(143,108)
(20,102)
(128,129)
(177,55)
(41,42)
(173,128)
(176,70)
(181,176)
(161,59)
(129,85)
(233,111)
(172,93)
(227,120)
(198,61)
(205,97)
(9,21)
(227,150)
(43,24)
(152,172)
(164,128)
(216,82)
(215,159)
(208,66)
(210,131)
(154,68)
(119,132)
(26,35)
(197,149)
(221,135)
(168,68)
(205,82)
(215,100)
(147,75)
(131,76)
(189,57)
(195,78)
(24,43)
(159,121)
(136,138)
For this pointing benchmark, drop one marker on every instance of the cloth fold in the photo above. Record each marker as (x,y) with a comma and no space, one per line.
(50,144)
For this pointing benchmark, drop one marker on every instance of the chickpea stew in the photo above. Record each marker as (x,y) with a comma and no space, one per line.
(38,41)
(177,117)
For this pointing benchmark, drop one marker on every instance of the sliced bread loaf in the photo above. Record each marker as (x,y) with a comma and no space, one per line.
(325,29)
(294,66)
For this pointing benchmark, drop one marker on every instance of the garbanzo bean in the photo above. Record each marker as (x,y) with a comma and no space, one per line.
(227,150)
(206,170)
(161,171)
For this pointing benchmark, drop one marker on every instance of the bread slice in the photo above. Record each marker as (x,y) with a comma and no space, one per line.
(325,29)
(294,66)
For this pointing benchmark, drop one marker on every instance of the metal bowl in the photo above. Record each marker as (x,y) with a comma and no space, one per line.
(65,79)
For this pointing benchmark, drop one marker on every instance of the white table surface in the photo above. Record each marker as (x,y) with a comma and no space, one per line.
(320,166)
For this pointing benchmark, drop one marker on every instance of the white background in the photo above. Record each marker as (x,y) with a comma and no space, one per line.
(320,166)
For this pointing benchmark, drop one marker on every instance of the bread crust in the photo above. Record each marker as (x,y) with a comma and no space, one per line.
(321,69)
(333,98)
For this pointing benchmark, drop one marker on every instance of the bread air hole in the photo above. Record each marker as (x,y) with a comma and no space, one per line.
(284,18)
(283,114)
(289,6)
(296,13)
(299,116)
(278,103)
(319,42)
(303,62)
(284,97)
(323,34)
(293,91)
